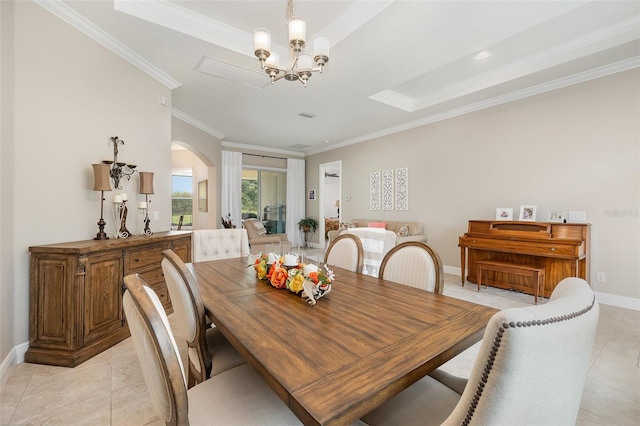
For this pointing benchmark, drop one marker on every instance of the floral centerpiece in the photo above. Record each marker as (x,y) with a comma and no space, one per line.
(308,279)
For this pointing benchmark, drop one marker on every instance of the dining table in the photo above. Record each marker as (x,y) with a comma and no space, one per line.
(333,362)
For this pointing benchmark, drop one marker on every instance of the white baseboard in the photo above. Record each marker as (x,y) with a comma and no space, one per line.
(604,298)
(13,358)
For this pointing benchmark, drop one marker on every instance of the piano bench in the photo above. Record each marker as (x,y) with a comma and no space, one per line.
(537,274)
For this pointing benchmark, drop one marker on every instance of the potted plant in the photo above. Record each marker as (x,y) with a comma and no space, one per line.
(308,224)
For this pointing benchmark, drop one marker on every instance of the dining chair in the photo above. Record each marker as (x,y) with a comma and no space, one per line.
(237,396)
(376,243)
(414,264)
(530,369)
(208,352)
(345,252)
(214,244)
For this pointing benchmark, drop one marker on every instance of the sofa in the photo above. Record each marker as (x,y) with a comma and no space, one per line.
(405,231)
(258,237)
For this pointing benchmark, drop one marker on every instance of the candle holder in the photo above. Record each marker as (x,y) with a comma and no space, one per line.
(120,217)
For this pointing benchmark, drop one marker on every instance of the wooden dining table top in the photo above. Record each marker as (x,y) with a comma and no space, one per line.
(331,363)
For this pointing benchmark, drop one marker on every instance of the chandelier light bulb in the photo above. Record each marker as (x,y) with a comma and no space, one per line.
(273,60)
(262,39)
(304,62)
(297,32)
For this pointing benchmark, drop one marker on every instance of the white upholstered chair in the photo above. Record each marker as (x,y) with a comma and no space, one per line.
(345,252)
(214,244)
(238,396)
(530,369)
(414,264)
(376,243)
(203,342)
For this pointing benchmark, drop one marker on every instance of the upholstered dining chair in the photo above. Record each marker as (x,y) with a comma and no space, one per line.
(530,369)
(237,396)
(345,252)
(203,342)
(414,264)
(214,244)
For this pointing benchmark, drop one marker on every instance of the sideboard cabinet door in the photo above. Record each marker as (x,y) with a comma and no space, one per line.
(102,296)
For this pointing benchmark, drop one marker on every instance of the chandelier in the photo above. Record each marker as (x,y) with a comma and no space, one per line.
(300,67)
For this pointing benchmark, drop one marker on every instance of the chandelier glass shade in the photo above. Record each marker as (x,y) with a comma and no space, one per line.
(301,65)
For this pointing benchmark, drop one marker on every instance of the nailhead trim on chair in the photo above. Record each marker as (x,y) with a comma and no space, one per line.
(496,346)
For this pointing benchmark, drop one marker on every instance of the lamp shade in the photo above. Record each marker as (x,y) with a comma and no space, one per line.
(297,30)
(101,180)
(262,39)
(146,182)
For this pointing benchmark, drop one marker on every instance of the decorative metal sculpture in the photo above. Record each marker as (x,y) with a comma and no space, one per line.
(119,170)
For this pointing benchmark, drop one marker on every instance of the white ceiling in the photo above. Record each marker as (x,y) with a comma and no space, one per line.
(393,65)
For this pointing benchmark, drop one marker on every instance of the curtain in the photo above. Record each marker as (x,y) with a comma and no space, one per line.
(232,186)
(295,198)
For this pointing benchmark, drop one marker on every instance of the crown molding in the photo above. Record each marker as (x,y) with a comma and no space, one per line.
(195,123)
(582,77)
(73,18)
(267,150)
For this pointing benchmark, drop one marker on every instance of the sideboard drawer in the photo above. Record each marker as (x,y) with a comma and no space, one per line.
(140,259)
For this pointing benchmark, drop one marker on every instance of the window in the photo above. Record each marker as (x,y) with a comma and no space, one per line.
(181,197)
(264,195)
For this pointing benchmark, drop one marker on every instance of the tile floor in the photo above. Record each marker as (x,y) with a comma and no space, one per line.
(109,388)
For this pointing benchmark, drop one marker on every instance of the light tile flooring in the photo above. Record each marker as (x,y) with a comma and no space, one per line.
(109,388)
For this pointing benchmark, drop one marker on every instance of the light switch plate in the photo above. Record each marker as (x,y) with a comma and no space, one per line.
(577,216)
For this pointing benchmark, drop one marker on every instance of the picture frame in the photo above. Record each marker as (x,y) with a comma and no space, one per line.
(203,204)
(504,213)
(557,216)
(312,194)
(528,213)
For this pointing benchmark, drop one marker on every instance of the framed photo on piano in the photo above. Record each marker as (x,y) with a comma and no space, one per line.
(556,216)
(528,213)
(504,213)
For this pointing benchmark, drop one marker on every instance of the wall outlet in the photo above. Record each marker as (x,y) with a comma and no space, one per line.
(156,215)
(601,277)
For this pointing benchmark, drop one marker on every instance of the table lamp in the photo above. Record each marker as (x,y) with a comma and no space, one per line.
(146,188)
(101,183)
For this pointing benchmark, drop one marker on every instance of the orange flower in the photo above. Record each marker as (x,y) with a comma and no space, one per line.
(313,277)
(279,277)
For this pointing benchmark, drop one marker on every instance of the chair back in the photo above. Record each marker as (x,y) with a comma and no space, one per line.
(157,351)
(214,244)
(414,264)
(345,252)
(189,311)
(533,361)
(376,242)
(254,228)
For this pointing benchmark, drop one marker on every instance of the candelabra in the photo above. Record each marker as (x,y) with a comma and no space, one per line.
(118,170)
(101,183)
(146,188)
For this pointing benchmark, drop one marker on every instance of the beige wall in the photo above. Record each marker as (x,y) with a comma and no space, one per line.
(205,157)
(62,122)
(576,148)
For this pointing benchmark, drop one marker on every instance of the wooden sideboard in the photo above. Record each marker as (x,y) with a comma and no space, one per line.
(76,293)
(562,249)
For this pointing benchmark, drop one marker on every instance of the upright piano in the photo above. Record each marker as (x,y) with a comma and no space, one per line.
(563,249)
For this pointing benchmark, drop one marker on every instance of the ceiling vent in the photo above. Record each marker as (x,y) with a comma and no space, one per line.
(306,115)
(299,146)
(232,72)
